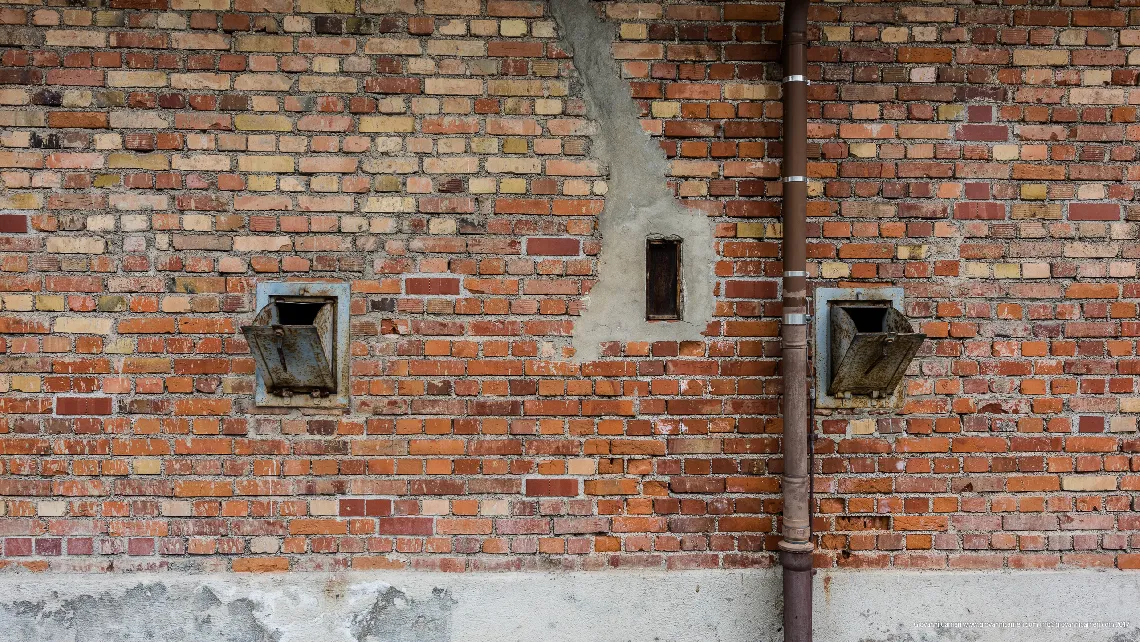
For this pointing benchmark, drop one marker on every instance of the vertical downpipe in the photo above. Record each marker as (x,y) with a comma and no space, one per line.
(796,544)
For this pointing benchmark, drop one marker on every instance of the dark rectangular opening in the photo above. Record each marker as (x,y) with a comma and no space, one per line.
(291,313)
(868,319)
(663,279)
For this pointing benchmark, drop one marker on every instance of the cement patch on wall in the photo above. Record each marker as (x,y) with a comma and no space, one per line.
(639,203)
(714,605)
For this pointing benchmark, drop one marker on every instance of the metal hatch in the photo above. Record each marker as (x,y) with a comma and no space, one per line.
(299,341)
(872,344)
(291,340)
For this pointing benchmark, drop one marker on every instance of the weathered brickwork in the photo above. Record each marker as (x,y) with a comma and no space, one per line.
(159,158)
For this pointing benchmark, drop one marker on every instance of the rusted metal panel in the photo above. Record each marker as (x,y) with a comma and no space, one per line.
(294,358)
(871,347)
(299,340)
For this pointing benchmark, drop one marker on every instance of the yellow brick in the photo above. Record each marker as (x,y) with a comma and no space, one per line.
(912,252)
(1034,191)
(261,183)
(759,230)
(1122,424)
(264,44)
(751,91)
(254,122)
(69,38)
(76,245)
(512,186)
(263,82)
(484,145)
(951,112)
(200,5)
(200,81)
(1086,483)
(666,109)
(451,165)
(262,244)
(834,270)
(837,34)
(862,426)
(894,34)
(1006,152)
(265,164)
(500,165)
(14,97)
(49,303)
(442,226)
(326,65)
(548,106)
(1040,57)
(372,124)
(326,6)
(390,204)
(485,185)
(21,201)
(202,162)
(634,31)
(146,466)
(976,270)
(136,79)
(1007,270)
(515,146)
(81,325)
(517,88)
(393,46)
(25,383)
(119,345)
(459,48)
(453,86)
(51,508)
(435,507)
(512,28)
(138,161)
(334,85)
(863,150)
(452,7)
(18,302)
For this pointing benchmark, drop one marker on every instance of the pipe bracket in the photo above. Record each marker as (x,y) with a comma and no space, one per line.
(796,78)
(794,273)
(794,179)
(795,318)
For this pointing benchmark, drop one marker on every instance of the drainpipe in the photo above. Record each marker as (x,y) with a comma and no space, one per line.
(796,544)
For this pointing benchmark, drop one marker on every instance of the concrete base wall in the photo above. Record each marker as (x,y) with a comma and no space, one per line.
(864,606)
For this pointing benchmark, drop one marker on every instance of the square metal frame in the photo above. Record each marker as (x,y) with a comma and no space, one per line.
(823,299)
(341,292)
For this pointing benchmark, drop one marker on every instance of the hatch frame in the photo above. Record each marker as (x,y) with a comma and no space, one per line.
(338,294)
(823,299)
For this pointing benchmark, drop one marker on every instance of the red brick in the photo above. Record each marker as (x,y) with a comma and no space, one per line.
(83,405)
(552,487)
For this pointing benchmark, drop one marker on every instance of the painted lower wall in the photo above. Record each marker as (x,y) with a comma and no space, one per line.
(712,606)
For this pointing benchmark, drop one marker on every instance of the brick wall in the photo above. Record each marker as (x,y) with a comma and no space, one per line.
(158,160)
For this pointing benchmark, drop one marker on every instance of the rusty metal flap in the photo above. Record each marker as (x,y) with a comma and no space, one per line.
(293,357)
(871,347)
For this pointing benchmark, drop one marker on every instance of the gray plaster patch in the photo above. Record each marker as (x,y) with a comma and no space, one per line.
(604,606)
(639,203)
(394,617)
(140,613)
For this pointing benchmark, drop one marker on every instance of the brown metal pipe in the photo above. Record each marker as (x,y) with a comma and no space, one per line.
(796,544)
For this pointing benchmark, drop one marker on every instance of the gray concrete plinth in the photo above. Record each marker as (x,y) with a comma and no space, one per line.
(855,606)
